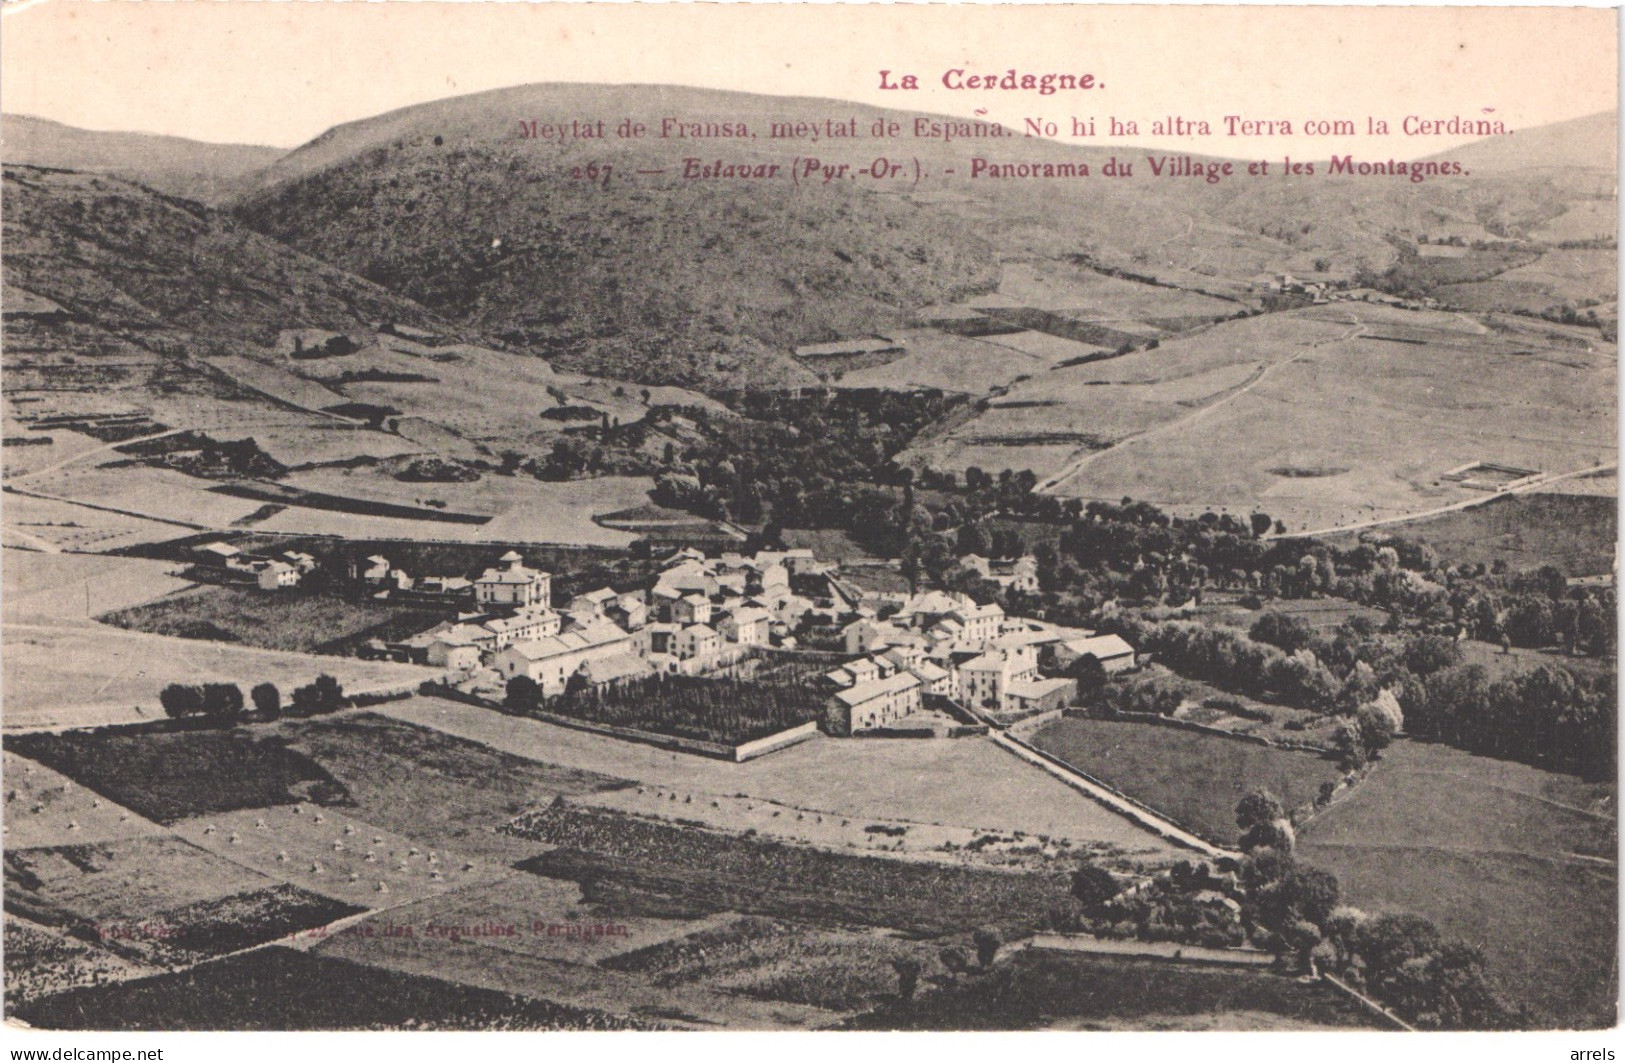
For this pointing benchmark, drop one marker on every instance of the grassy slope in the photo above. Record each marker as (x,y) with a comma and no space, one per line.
(1194,779)
(1516,861)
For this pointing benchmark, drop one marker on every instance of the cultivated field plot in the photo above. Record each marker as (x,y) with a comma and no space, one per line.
(548,918)
(967,782)
(173,775)
(1088,295)
(440,790)
(1576,533)
(283,989)
(772,959)
(278,381)
(64,445)
(497,395)
(1194,779)
(1404,413)
(1047,991)
(638,867)
(322,444)
(893,838)
(158,899)
(520,964)
(1322,614)
(45,808)
(937,359)
(1514,860)
(295,620)
(1556,278)
(41,960)
(146,491)
(60,676)
(51,525)
(323,851)
(68,589)
(522,509)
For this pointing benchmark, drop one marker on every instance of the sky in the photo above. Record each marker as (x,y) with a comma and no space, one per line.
(282,73)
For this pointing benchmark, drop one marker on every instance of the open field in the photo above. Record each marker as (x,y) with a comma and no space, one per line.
(71,588)
(44,807)
(506,965)
(936,359)
(897,840)
(158,899)
(172,775)
(1046,991)
(966,782)
(1576,533)
(1516,861)
(50,524)
(1194,779)
(282,989)
(1409,392)
(323,443)
(641,867)
(1555,278)
(522,509)
(80,677)
(292,619)
(433,787)
(325,852)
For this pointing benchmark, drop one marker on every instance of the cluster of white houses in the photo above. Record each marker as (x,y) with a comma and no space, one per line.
(942,645)
(700,614)
(703,613)
(270,572)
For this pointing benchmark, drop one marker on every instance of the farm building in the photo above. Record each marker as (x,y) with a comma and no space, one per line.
(1111,651)
(276,575)
(873,704)
(551,661)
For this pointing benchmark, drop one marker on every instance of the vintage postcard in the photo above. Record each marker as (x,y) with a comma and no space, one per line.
(809,518)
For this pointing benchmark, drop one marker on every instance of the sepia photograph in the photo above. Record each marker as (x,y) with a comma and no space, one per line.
(789,517)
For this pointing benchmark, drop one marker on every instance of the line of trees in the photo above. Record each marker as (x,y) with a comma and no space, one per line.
(222,703)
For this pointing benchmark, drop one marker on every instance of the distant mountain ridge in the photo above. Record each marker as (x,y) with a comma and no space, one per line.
(193,169)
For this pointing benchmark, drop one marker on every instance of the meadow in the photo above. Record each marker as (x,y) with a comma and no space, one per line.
(1194,779)
(1511,859)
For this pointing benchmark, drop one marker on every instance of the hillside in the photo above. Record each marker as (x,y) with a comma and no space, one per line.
(169,273)
(647,276)
(713,282)
(191,169)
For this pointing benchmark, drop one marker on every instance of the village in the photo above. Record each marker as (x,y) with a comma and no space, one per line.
(901,662)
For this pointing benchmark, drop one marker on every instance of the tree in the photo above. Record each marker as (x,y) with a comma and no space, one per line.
(1290,633)
(1261,524)
(953,958)
(1093,887)
(181,699)
(908,976)
(222,702)
(1258,808)
(267,700)
(1091,677)
(522,694)
(323,695)
(1349,746)
(987,941)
